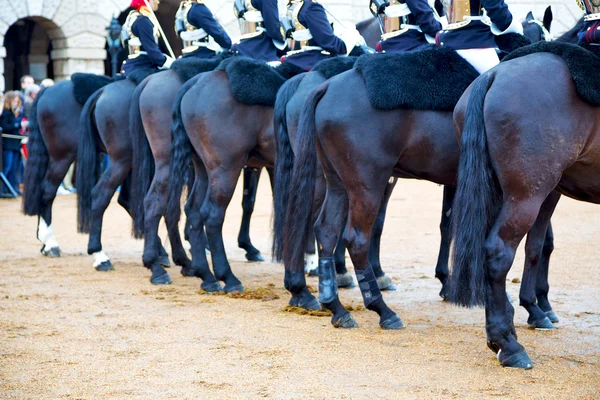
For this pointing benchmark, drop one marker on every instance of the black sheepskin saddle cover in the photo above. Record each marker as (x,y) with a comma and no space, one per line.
(84,85)
(333,66)
(255,82)
(138,75)
(188,67)
(432,79)
(583,63)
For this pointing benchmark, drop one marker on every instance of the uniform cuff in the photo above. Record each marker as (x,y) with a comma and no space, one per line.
(514,27)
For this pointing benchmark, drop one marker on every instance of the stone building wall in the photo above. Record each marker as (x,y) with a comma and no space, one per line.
(77,27)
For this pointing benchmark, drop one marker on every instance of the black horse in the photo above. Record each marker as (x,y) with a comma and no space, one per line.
(357,167)
(518,155)
(52,145)
(150,126)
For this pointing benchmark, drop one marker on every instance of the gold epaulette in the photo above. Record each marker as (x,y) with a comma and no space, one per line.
(145,11)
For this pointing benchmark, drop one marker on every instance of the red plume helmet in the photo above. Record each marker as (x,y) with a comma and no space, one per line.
(137,4)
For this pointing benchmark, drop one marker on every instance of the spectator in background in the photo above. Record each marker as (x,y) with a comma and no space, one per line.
(30,93)
(26,81)
(47,83)
(10,122)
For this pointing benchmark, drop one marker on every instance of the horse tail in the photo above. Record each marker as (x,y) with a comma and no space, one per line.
(88,162)
(302,185)
(37,163)
(475,204)
(143,162)
(181,159)
(284,162)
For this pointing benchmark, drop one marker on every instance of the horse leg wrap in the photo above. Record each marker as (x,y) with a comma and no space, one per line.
(368,285)
(327,284)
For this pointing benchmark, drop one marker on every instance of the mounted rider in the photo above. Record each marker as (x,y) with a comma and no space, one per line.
(140,34)
(473,26)
(406,26)
(259,24)
(201,34)
(590,33)
(310,35)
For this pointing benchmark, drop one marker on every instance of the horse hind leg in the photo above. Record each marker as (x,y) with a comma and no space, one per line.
(534,249)
(197,237)
(221,187)
(364,206)
(514,221)
(383,281)
(541,285)
(327,231)
(251,178)
(441,268)
(311,260)
(54,176)
(102,193)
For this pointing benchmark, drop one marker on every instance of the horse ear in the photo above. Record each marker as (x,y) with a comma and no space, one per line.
(547,18)
(529,17)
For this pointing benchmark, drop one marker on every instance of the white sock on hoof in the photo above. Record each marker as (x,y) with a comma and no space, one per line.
(99,258)
(46,235)
(312,262)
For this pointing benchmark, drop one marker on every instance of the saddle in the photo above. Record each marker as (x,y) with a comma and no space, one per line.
(138,75)
(333,66)
(583,63)
(255,82)
(188,67)
(84,85)
(432,79)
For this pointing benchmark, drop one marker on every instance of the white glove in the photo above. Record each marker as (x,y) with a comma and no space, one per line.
(351,39)
(514,27)
(167,63)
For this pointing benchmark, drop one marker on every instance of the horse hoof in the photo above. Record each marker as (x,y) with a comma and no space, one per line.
(211,287)
(444,293)
(255,257)
(542,325)
(552,316)
(519,360)
(164,261)
(385,283)
(53,252)
(236,287)
(163,279)
(346,321)
(306,301)
(105,266)
(188,271)
(493,347)
(345,280)
(393,322)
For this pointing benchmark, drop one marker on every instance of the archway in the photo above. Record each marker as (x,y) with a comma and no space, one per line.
(55,38)
(28,49)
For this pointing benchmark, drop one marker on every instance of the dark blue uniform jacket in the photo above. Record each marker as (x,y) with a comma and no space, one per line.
(143,29)
(201,17)
(313,17)
(477,35)
(262,47)
(421,14)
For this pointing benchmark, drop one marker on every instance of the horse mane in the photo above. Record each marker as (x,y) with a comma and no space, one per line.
(571,35)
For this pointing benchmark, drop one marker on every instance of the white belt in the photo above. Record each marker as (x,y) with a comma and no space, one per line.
(253,16)
(302,35)
(196,34)
(397,10)
(415,27)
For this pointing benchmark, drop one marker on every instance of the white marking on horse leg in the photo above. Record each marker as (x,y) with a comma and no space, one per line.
(46,235)
(99,258)
(312,262)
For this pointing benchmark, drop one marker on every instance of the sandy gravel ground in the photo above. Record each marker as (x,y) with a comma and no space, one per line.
(71,332)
